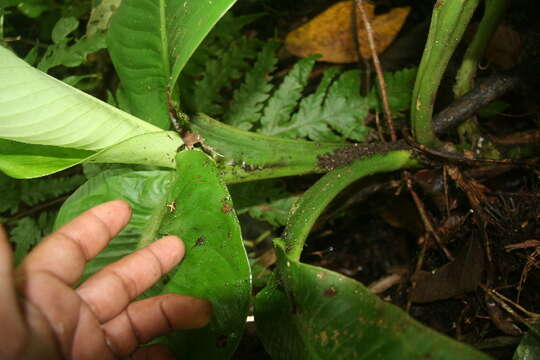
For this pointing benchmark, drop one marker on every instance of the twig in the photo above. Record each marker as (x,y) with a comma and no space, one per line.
(379,127)
(464,107)
(384,283)
(36,209)
(458,158)
(425,217)
(378,70)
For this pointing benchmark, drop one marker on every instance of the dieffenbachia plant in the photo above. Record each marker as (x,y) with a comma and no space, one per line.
(305,312)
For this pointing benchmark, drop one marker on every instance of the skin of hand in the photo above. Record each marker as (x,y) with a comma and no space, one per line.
(44,317)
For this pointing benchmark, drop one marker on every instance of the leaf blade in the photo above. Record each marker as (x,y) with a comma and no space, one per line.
(30,100)
(162,37)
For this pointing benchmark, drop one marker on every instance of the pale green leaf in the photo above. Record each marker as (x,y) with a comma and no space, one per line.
(28,161)
(63,28)
(38,109)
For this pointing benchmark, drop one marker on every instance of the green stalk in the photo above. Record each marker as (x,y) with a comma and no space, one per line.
(448,23)
(310,206)
(493,14)
(246,156)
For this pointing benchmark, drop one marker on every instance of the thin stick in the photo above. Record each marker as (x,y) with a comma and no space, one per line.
(34,209)
(425,217)
(378,70)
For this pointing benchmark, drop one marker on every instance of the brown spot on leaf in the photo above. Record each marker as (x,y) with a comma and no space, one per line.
(331,291)
(226,207)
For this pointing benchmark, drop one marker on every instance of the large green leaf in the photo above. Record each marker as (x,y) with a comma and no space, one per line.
(47,126)
(308,312)
(20,160)
(145,191)
(529,347)
(35,108)
(150,41)
(215,266)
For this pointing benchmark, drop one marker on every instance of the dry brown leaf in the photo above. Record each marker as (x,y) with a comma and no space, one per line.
(330,33)
(456,278)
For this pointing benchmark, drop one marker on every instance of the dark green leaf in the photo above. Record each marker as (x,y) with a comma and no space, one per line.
(216,265)
(308,312)
(194,204)
(150,43)
(529,347)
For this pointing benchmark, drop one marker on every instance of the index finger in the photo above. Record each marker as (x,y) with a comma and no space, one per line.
(65,252)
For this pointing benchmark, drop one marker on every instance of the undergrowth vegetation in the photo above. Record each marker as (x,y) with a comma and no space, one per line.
(216,134)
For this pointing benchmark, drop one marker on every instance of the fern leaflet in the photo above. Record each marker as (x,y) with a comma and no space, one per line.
(249,98)
(285,99)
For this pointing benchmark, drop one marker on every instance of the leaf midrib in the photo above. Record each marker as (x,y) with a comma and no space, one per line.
(164,41)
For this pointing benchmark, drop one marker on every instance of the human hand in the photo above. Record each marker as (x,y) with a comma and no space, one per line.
(43,317)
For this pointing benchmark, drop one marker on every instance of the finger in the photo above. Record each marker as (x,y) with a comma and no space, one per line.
(65,252)
(110,290)
(146,319)
(12,335)
(153,352)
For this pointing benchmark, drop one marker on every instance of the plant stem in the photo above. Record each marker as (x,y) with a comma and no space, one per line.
(494,11)
(246,156)
(308,208)
(448,23)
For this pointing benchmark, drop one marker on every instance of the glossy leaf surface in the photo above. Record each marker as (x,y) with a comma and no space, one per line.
(194,204)
(151,41)
(308,312)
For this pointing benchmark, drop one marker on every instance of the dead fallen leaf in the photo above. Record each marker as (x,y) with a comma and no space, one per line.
(504,48)
(330,33)
(456,278)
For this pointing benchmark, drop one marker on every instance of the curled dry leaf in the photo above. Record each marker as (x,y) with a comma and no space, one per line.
(330,33)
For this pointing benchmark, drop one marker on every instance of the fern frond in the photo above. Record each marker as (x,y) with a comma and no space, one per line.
(35,191)
(219,72)
(9,188)
(307,122)
(25,234)
(249,98)
(285,99)
(217,42)
(344,109)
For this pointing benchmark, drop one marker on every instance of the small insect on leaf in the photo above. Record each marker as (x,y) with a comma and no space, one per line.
(172,206)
